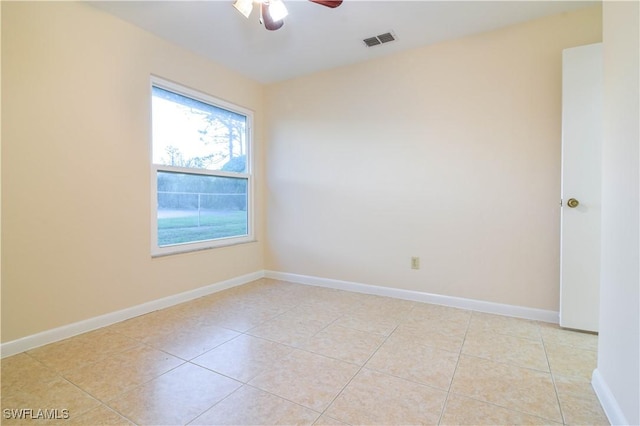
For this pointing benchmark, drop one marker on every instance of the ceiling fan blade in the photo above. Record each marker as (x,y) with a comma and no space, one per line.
(267,20)
(328,3)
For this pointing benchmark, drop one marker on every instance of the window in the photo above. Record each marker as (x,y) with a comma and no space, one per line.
(201,171)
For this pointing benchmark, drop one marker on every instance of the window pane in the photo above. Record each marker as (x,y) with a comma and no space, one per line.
(194,208)
(191,133)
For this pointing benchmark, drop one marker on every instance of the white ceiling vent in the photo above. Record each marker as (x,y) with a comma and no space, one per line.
(380,39)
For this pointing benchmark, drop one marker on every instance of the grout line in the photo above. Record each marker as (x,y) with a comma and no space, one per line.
(494,404)
(553,380)
(359,370)
(284,399)
(446,400)
(214,404)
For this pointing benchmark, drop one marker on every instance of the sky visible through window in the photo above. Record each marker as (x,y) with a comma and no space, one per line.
(190,133)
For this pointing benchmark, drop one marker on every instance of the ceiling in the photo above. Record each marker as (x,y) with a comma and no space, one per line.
(316,38)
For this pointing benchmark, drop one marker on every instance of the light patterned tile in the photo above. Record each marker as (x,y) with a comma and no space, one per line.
(294,293)
(369,321)
(512,387)
(571,361)
(176,397)
(583,412)
(526,329)
(554,334)
(251,406)
(442,314)
(152,324)
(241,317)
(110,377)
(376,398)
(448,337)
(466,411)
(325,420)
(345,344)
(387,307)
(192,341)
(56,394)
(99,416)
(244,357)
(398,385)
(523,352)
(321,312)
(578,401)
(334,301)
(307,379)
(290,328)
(23,370)
(186,310)
(411,359)
(81,350)
(574,386)
(438,318)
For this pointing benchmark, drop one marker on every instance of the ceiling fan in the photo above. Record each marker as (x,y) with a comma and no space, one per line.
(273,12)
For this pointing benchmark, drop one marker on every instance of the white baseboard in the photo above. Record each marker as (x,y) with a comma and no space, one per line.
(607,400)
(456,302)
(70,330)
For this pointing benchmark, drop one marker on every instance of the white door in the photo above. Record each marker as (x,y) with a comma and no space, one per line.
(581,170)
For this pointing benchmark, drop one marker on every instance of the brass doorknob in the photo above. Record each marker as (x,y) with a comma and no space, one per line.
(573,203)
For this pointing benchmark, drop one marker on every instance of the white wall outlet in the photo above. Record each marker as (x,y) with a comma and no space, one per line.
(415,263)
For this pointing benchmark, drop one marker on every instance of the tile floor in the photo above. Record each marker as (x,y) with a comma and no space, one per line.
(272,352)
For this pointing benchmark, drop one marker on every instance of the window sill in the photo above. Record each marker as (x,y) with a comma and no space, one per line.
(176,250)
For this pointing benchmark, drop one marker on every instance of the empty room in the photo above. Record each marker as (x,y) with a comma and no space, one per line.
(320,212)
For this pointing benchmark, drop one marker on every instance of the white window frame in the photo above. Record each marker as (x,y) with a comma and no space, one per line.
(157,250)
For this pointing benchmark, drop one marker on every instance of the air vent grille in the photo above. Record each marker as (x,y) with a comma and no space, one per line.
(379,39)
(372,41)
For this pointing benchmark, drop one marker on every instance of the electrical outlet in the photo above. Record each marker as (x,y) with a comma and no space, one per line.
(415,263)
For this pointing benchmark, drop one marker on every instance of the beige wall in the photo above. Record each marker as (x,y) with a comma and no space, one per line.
(619,341)
(449,152)
(75,167)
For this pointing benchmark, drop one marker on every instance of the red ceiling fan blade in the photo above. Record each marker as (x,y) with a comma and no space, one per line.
(266,19)
(328,3)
